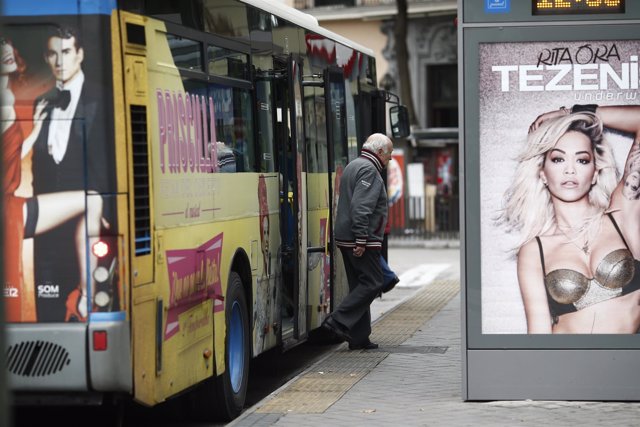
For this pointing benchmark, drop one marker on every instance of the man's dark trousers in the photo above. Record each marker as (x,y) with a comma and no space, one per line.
(365,282)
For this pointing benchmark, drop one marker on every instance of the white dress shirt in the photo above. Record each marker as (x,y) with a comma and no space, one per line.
(61,120)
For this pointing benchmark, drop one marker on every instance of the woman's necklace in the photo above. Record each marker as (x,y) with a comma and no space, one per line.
(584,248)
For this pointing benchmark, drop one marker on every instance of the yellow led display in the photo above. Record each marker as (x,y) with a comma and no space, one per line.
(562,7)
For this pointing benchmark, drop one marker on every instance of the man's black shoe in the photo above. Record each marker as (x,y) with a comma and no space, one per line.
(365,346)
(392,284)
(335,327)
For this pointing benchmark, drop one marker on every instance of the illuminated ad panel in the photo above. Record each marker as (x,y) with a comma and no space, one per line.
(560,178)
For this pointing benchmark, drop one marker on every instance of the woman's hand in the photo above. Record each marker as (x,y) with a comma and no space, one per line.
(39,114)
(546,116)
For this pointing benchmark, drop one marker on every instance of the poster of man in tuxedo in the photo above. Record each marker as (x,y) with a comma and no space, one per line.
(66,185)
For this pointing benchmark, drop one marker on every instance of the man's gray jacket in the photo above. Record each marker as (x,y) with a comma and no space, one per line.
(362,204)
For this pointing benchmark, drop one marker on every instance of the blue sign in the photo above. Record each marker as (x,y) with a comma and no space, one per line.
(497,6)
(57,7)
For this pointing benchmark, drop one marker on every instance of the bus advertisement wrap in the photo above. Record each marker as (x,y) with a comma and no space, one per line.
(560,175)
(194,277)
(58,157)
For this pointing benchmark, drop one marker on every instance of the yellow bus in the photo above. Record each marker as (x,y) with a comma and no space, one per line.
(170,174)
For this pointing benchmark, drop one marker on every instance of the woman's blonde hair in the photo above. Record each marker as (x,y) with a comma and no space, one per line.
(527,207)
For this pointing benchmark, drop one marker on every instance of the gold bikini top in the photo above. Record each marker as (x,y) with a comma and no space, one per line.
(613,273)
(569,290)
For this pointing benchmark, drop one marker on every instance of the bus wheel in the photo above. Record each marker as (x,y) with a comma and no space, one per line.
(222,397)
(232,384)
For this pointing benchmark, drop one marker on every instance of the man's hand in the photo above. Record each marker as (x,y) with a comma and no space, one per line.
(358,251)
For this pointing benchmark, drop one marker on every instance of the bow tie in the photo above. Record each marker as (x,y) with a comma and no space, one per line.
(60,99)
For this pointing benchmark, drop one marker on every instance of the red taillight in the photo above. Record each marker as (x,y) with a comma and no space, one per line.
(100,249)
(99,340)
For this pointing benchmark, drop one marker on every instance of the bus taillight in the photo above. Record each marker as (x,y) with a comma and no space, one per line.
(100,249)
(105,292)
(99,340)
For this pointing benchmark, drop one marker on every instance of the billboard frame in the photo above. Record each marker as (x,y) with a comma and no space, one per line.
(521,366)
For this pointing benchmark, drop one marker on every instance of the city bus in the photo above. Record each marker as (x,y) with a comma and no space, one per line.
(171,172)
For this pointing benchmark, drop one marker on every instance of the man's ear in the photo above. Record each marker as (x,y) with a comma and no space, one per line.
(81,54)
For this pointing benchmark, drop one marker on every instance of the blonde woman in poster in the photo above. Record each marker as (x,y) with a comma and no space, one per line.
(578,255)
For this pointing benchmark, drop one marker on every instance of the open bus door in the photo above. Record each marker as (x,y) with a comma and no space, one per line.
(298,245)
(299,186)
(307,213)
(336,122)
(289,132)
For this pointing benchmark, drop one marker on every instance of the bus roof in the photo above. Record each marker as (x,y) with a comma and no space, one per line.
(306,21)
(106,7)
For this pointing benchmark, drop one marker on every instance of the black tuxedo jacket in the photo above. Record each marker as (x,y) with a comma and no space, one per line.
(88,163)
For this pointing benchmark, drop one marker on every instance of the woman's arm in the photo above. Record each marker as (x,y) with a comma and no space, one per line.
(625,200)
(38,118)
(531,282)
(622,117)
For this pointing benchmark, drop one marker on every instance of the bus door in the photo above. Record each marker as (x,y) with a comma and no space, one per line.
(299,186)
(289,134)
(324,110)
(336,124)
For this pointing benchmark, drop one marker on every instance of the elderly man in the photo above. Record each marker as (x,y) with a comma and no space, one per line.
(359,231)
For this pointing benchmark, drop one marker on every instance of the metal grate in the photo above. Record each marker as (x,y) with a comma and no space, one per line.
(141,179)
(413,349)
(36,358)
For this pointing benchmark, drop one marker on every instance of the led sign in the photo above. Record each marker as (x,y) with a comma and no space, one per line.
(576,7)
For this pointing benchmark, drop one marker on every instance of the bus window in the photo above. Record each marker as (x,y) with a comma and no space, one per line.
(187,54)
(315,123)
(369,76)
(351,91)
(310,127)
(225,62)
(187,13)
(232,118)
(335,86)
(233,124)
(226,18)
(262,62)
(265,126)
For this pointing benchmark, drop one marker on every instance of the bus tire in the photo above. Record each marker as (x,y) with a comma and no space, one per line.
(232,384)
(222,398)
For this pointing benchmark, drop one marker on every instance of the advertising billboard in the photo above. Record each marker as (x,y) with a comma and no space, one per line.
(59,175)
(550,232)
(560,173)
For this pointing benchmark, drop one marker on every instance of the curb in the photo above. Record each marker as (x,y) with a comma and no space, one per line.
(424,244)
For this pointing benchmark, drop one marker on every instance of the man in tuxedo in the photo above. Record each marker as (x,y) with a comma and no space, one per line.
(71,153)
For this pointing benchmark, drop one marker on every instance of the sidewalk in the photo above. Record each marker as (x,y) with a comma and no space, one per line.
(395,242)
(414,379)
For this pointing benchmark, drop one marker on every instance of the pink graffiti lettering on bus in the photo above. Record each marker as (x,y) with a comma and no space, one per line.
(194,277)
(187,132)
